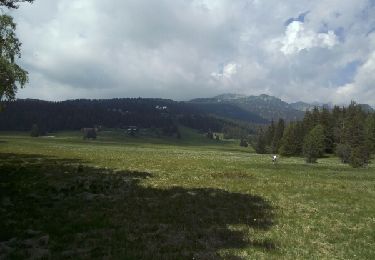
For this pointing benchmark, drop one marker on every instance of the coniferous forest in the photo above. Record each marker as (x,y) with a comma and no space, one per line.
(348,132)
(22,115)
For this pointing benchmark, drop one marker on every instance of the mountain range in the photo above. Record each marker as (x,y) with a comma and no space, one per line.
(200,113)
(267,107)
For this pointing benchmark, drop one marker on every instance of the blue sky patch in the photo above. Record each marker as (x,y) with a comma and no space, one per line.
(300,18)
(347,73)
(340,34)
(371,31)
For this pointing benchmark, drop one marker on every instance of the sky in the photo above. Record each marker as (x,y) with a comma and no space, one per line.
(297,50)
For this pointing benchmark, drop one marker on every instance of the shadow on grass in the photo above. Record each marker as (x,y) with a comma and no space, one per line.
(60,208)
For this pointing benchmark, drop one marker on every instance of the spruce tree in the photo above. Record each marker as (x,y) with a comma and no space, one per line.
(289,144)
(308,121)
(270,133)
(279,132)
(313,145)
(338,125)
(370,132)
(327,123)
(260,144)
(355,136)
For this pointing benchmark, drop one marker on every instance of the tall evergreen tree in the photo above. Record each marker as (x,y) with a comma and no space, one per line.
(279,132)
(355,136)
(289,144)
(270,133)
(328,126)
(314,145)
(338,125)
(260,144)
(370,132)
(308,121)
(316,116)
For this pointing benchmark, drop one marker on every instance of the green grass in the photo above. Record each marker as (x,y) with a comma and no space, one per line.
(163,198)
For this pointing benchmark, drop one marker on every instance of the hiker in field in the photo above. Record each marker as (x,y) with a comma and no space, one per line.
(274,159)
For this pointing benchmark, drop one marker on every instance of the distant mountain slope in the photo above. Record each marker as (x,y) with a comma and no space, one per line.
(302,106)
(50,116)
(265,106)
(230,111)
(366,107)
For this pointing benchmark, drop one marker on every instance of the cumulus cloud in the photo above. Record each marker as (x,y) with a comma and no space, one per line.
(363,85)
(298,38)
(227,72)
(197,48)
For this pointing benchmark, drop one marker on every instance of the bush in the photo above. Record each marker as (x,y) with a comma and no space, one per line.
(34,131)
(343,151)
(244,143)
(210,134)
(89,133)
(358,157)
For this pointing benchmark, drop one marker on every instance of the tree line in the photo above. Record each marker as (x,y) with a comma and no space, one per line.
(163,114)
(348,132)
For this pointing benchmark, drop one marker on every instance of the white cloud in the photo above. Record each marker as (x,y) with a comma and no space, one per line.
(298,38)
(363,86)
(229,70)
(173,49)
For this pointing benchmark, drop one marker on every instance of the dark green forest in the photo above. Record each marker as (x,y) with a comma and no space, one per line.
(22,115)
(348,132)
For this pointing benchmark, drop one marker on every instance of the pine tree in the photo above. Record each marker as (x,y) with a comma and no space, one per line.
(279,132)
(289,143)
(313,145)
(292,141)
(316,116)
(270,133)
(327,123)
(308,121)
(355,136)
(370,132)
(338,124)
(260,144)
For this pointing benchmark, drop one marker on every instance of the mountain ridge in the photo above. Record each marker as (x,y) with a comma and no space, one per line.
(270,107)
(266,106)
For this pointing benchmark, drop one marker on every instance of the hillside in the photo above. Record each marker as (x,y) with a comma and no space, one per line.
(162,114)
(302,106)
(265,106)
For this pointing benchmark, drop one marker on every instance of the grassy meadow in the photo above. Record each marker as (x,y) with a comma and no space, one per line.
(161,198)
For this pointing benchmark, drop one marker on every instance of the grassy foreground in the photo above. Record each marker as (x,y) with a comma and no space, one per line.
(145,198)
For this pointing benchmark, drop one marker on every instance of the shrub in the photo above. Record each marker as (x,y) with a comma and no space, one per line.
(34,131)
(359,157)
(244,143)
(343,151)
